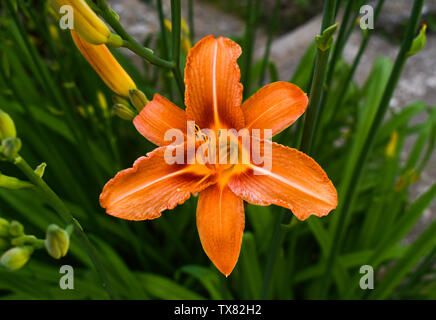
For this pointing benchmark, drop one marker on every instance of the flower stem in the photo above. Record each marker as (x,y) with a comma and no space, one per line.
(349,192)
(191,21)
(353,69)
(176,20)
(249,39)
(66,216)
(316,92)
(276,244)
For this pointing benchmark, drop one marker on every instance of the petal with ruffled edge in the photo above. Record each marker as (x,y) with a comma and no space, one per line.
(213,94)
(152,186)
(294,181)
(275,106)
(157,117)
(220,224)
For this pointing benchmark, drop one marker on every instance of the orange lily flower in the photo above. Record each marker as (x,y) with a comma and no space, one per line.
(213,100)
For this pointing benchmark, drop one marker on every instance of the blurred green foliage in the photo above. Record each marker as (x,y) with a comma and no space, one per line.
(56,101)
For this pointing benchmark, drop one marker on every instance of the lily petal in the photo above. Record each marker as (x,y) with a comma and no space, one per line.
(220,224)
(157,117)
(275,106)
(152,186)
(213,92)
(295,181)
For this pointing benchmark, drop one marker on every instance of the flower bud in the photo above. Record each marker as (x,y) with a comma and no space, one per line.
(16,229)
(123,112)
(138,99)
(41,169)
(57,241)
(7,126)
(391,147)
(16,258)
(10,147)
(4,228)
(86,23)
(13,183)
(107,67)
(419,42)
(102,102)
(325,40)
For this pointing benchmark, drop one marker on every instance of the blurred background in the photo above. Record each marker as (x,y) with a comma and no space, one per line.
(63,114)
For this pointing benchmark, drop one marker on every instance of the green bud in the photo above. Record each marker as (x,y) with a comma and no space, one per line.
(138,99)
(4,244)
(120,100)
(13,183)
(325,40)
(57,241)
(419,42)
(41,169)
(123,112)
(16,258)
(7,126)
(10,147)
(115,41)
(16,229)
(4,228)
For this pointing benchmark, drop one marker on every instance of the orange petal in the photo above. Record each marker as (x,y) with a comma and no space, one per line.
(295,181)
(220,224)
(213,92)
(152,186)
(157,117)
(275,106)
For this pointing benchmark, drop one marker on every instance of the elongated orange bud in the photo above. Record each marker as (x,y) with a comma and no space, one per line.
(107,67)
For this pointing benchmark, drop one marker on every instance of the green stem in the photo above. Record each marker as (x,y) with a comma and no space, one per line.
(131,43)
(316,92)
(66,216)
(165,47)
(349,193)
(163,30)
(249,39)
(276,244)
(356,62)
(191,21)
(176,20)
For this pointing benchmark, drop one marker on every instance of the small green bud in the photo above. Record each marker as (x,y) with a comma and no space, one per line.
(41,169)
(4,244)
(16,229)
(4,228)
(138,99)
(419,42)
(57,241)
(120,100)
(325,40)
(10,147)
(16,258)
(123,112)
(115,41)
(7,126)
